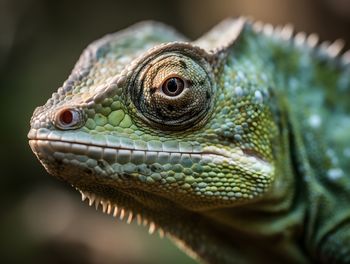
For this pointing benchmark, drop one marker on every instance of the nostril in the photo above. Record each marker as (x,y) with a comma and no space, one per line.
(66,117)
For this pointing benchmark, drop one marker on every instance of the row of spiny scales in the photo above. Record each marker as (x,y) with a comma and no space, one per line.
(123,214)
(286,32)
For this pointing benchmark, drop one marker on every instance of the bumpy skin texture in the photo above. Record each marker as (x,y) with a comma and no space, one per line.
(236,145)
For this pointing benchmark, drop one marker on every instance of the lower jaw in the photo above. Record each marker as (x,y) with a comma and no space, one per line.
(126,203)
(122,213)
(128,200)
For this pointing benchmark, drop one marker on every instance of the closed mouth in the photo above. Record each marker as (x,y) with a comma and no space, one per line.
(113,150)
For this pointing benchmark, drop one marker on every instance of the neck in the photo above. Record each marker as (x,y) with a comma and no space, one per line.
(264,231)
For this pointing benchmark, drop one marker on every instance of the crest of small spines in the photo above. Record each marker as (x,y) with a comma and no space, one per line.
(332,50)
(122,213)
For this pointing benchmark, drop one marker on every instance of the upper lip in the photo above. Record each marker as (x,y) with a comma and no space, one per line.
(118,143)
(47,135)
(232,156)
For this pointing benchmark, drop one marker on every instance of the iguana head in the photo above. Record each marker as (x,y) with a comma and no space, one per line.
(150,122)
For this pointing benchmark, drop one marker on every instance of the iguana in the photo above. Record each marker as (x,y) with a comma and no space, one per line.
(236,145)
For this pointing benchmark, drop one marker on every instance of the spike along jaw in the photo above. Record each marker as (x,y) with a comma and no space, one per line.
(164,133)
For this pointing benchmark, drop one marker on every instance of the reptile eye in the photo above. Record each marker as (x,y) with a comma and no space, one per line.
(173,91)
(173,86)
(68,119)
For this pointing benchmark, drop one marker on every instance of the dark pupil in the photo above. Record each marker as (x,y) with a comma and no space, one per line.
(66,117)
(173,86)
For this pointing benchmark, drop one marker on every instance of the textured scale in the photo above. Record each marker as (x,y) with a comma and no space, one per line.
(236,145)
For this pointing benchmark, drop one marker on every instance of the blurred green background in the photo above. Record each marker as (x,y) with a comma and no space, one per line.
(41,219)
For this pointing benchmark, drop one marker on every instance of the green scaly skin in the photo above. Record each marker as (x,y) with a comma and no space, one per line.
(245,160)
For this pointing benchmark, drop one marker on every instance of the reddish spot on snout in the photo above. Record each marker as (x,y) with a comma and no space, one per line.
(66,117)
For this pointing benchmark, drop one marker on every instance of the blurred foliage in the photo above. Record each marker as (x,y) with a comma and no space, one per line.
(42,220)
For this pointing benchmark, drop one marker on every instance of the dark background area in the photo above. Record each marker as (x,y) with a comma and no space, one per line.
(41,219)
